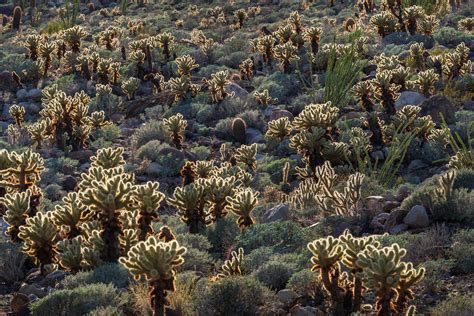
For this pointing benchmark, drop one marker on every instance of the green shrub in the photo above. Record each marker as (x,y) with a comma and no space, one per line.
(462,250)
(257,258)
(237,295)
(108,273)
(151,150)
(222,234)
(282,236)
(462,305)
(307,284)
(201,152)
(106,311)
(450,37)
(152,130)
(435,271)
(275,275)
(78,301)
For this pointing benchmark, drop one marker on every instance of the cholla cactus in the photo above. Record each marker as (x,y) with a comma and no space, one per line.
(411,16)
(46,52)
(445,185)
(17,211)
(73,36)
(32,43)
(456,63)
(428,25)
(157,261)
(312,35)
(217,86)
(242,205)
(182,87)
(18,114)
(245,155)
(233,266)
(176,126)
(217,191)
(265,47)
(285,53)
(425,83)
(39,237)
(130,86)
(466,24)
(185,65)
(385,23)
(69,254)
(108,158)
(241,16)
(189,201)
(23,171)
(70,214)
(284,34)
(279,128)
(264,98)
(372,269)
(147,200)
(385,91)
(138,56)
(417,58)
(246,69)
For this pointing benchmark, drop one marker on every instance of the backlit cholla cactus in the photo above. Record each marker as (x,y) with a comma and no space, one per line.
(217,86)
(279,128)
(73,37)
(147,200)
(312,36)
(315,126)
(69,215)
(428,25)
(466,24)
(17,207)
(445,185)
(417,58)
(39,237)
(240,15)
(69,254)
(407,119)
(264,98)
(176,126)
(243,205)
(411,17)
(245,155)
(233,266)
(246,69)
(371,269)
(456,63)
(285,53)
(165,43)
(32,43)
(39,132)
(18,114)
(264,46)
(156,261)
(190,203)
(385,23)
(385,91)
(425,83)
(217,190)
(130,86)
(21,172)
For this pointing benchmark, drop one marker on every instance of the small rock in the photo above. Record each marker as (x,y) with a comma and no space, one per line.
(253,135)
(19,302)
(81,155)
(21,94)
(279,212)
(377,155)
(32,108)
(56,276)
(379,220)
(287,296)
(278,113)
(409,98)
(438,106)
(69,183)
(174,153)
(299,310)
(396,217)
(390,205)
(417,217)
(374,203)
(416,164)
(240,92)
(398,229)
(28,289)
(403,192)
(34,94)
(369,68)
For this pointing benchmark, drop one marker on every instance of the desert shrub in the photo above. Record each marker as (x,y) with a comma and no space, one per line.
(435,271)
(54,192)
(307,284)
(219,298)
(450,37)
(462,250)
(152,130)
(181,300)
(462,305)
(206,113)
(459,208)
(78,301)
(202,152)
(197,257)
(12,262)
(328,226)
(170,163)
(256,258)
(108,133)
(279,85)
(275,274)
(107,273)
(274,167)
(222,234)
(262,180)
(151,150)
(106,311)
(282,236)
(464,179)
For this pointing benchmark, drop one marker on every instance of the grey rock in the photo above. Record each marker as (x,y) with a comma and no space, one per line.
(69,183)
(253,135)
(239,92)
(173,152)
(287,296)
(439,106)
(278,113)
(396,217)
(28,289)
(390,205)
(303,311)
(374,203)
(403,192)
(398,229)
(377,155)
(32,108)
(417,217)
(379,220)
(409,98)
(34,94)
(416,164)
(154,170)
(279,212)
(21,94)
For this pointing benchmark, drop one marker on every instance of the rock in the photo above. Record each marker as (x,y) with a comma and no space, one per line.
(253,135)
(21,94)
(374,203)
(416,164)
(438,106)
(239,92)
(32,108)
(390,205)
(403,38)
(69,183)
(369,68)
(28,289)
(396,217)
(279,212)
(81,155)
(403,192)
(126,131)
(19,303)
(287,296)
(417,217)
(278,113)
(299,310)
(398,229)
(54,278)
(173,153)
(409,98)
(154,170)
(379,220)
(34,94)
(377,155)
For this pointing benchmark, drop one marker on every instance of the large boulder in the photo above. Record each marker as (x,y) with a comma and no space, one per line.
(238,91)
(253,135)
(396,217)
(409,98)
(279,212)
(438,106)
(417,217)
(287,296)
